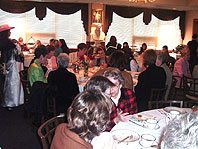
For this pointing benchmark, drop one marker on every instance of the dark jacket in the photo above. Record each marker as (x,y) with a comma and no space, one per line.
(67,87)
(152,77)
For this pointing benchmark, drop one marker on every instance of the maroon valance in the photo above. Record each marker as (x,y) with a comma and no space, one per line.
(130,12)
(41,9)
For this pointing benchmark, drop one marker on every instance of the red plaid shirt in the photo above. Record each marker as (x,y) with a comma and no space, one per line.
(127,103)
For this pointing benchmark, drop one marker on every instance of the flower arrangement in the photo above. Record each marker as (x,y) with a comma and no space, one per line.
(179,47)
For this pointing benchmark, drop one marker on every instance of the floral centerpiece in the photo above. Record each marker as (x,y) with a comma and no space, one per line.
(86,67)
(179,48)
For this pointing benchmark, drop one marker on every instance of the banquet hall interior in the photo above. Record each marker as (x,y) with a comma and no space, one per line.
(84,37)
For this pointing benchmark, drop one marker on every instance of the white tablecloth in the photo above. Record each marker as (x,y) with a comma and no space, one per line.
(162,122)
(27,58)
(175,55)
(80,76)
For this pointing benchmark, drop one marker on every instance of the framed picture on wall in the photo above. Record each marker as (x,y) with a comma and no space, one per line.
(96,16)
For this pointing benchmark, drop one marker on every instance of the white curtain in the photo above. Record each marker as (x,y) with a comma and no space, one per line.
(68,27)
(166,32)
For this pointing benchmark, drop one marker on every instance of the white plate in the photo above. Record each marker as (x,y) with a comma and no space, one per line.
(180,110)
(121,134)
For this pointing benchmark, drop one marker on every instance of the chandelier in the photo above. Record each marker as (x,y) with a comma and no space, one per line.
(143,1)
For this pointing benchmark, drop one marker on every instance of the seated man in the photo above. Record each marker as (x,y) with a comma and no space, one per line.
(181,133)
(65,82)
(35,71)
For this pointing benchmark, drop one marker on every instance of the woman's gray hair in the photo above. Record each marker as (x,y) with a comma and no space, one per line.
(114,73)
(63,60)
(182,133)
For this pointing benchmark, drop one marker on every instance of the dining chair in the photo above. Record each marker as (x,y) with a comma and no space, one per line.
(25,83)
(47,129)
(190,88)
(177,92)
(162,104)
(49,101)
(157,94)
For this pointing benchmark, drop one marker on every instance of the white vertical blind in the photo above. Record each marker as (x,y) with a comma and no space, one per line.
(166,32)
(169,33)
(68,27)
(122,28)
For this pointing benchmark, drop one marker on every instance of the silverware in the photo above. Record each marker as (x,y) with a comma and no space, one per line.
(131,136)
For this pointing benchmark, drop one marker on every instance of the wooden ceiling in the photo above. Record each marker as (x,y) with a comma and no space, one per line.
(161,4)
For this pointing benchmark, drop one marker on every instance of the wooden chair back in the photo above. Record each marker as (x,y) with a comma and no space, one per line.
(49,100)
(190,87)
(47,129)
(25,83)
(157,94)
(163,104)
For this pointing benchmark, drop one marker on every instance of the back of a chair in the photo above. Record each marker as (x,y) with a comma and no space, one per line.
(49,101)
(163,104)
(47,129)
(190,86)
(25,83)
(157,94)
(172,92)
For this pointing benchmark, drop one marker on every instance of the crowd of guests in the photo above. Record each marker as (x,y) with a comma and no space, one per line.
(108,97)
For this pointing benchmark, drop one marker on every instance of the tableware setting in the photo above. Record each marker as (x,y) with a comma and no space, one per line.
(125,136)
(148,141)
(145,121)
(151,124)
(174,110)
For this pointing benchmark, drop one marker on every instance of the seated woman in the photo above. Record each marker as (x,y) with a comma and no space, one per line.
(35,71)
(65,82)
(100,83)
(118,60)
(161,62)
(181,67)
(143,48)
(88,117)
(181,133)
(122,99)
(152,77)
(51,59)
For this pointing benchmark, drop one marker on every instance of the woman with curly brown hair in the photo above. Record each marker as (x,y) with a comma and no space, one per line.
(88,117)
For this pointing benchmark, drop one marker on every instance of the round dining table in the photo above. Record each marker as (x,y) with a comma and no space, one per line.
(137,127)
(91,71)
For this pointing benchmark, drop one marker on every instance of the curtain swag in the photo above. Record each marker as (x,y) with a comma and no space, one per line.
(41,9)
(130,12)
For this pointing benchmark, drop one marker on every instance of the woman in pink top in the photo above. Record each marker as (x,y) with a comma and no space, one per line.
(181,67)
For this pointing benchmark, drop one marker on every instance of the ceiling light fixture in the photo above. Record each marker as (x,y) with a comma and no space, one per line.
(143,1)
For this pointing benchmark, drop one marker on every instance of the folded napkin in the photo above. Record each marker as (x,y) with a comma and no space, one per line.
(140,119)
(134,119)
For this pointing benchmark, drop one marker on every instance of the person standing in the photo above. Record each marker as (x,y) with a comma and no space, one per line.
(13,91)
